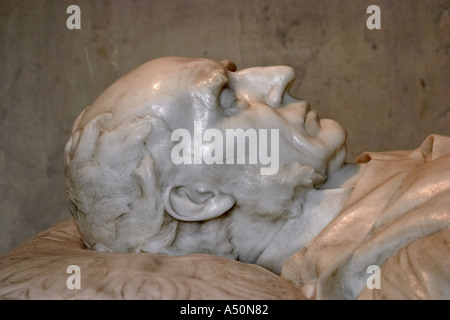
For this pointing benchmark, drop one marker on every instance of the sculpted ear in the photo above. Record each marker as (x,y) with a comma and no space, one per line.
(187,203)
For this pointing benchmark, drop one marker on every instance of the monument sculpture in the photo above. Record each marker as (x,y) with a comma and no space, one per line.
(184,156)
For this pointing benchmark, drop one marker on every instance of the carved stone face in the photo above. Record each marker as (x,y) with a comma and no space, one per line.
(184,90)
(189,94)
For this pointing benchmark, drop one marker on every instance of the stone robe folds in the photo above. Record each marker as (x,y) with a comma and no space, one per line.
(397,217)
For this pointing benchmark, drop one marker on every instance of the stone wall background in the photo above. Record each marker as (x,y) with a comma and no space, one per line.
(389,88)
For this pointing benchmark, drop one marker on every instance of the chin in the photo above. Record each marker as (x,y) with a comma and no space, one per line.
(333,134)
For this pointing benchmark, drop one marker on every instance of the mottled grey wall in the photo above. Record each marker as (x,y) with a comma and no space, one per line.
(389,88)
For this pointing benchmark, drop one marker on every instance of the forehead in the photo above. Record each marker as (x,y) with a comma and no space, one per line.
(161,81)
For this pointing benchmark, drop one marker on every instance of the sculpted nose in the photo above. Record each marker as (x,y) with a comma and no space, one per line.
(262,84)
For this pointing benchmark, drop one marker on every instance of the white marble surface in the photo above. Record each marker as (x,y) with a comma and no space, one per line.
(37,270)
(128,194)
(313,226)
(329,219)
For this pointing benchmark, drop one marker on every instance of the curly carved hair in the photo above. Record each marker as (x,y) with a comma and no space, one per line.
(113,186)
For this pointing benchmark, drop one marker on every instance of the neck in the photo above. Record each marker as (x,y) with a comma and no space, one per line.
(318,208)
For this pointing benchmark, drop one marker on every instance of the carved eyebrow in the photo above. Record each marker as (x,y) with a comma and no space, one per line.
(222,75)
(216,79)
(229,65)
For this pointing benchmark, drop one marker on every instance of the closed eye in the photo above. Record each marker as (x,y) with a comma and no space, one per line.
(229,103)
(227,98)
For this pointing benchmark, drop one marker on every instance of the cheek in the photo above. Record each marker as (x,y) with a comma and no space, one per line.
(266,203)
(263,196)
(301,149)
(312,151)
